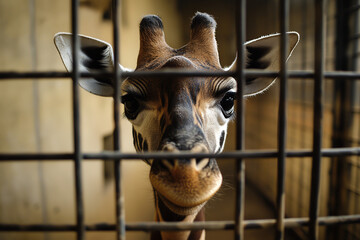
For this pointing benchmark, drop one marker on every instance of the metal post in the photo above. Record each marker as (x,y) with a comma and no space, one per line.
(240,77)
(318,115)
(119,198)
(281,167)
(340,126)
(76,121)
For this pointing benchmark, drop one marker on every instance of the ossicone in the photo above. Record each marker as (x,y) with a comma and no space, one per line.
(152,39)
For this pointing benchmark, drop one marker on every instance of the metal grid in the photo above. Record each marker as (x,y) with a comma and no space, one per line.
(313,222)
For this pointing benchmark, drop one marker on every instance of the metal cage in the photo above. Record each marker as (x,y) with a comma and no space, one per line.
(347,156)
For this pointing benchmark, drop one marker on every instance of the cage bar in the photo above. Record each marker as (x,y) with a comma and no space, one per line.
(281,165)
(240,121)
(356,160)
(317,122)
(109,156)
(307,75)
(119,198)
(80,227)
(173,226)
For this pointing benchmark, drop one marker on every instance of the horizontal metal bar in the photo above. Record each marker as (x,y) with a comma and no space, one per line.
(109,155)
(35,156)
(165,73)
(175,226)
(350,75)
(34,75)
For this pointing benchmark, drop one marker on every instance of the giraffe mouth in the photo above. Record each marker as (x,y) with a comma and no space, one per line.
(185,190)
(179,210)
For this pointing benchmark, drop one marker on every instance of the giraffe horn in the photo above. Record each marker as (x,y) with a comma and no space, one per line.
(202,39)
(152,39)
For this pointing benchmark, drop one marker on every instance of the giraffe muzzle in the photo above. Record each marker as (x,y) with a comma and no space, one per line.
(195,164)
(185,183)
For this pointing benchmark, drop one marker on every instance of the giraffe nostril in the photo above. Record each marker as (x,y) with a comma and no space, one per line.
(168,163)
(197,164)
(202,163)
(170,147)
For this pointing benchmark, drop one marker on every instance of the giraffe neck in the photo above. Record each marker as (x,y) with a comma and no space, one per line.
(164,214)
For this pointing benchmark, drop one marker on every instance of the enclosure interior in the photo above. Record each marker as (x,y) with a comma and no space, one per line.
(36,117)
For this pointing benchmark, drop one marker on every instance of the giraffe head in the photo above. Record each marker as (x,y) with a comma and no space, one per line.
(181,113)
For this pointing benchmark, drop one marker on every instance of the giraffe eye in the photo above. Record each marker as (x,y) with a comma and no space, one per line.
(131,106)
(227,104)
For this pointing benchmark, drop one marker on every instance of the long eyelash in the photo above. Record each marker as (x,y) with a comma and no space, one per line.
(135,86)
(130,95)
(221,86)
(222,91)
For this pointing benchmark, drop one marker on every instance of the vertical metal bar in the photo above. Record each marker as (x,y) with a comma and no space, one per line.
(119,198)
(318,114)
(281,167)
(357,86)
(342,117)
(354,67)
(240,143)
(303,128)
(356,32)
(76,121)
(356,203)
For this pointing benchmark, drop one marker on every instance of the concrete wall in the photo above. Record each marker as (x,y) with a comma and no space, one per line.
(36,116)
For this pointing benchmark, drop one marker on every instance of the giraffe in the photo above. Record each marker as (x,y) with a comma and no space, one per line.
(180,113)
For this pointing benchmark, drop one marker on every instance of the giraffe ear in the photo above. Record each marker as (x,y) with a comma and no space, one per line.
(95,56)
(264,53)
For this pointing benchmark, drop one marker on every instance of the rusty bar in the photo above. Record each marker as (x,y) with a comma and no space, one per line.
(173,226)
(119,198)
(109,156)
(240,18)
(318,111)
(80,227)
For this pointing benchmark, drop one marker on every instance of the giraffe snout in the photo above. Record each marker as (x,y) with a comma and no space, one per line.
(185,183)
(193,164)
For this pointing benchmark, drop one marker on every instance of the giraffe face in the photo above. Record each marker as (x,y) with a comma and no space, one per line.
(178,114)
(182,114)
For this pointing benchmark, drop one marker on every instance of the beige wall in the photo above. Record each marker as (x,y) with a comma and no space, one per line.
(36,116)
